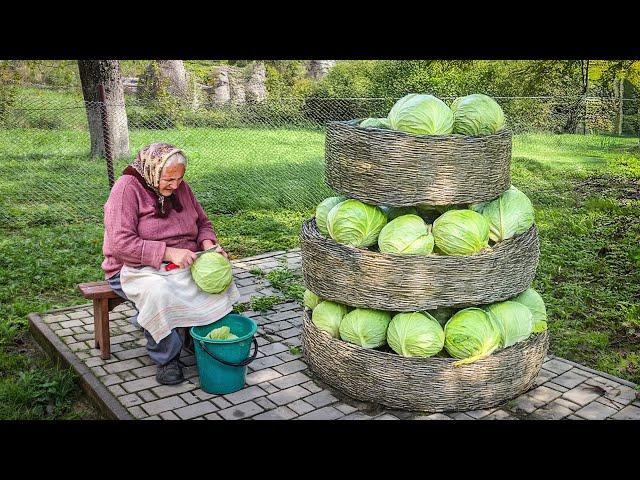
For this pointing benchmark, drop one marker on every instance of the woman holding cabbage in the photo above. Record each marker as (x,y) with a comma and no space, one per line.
(153,222)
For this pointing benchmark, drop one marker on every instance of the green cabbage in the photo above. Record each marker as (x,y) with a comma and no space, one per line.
(222,333)
(415,335)
(477,114)
(375,123)
(212,272)
(406,235)
(310,299)
(508,215)
(395,212)
(327,316)
(421,114)
(461,232)
(512,319)
(323,209)
(534,302)
(365,327)
(470,335)
(355,223)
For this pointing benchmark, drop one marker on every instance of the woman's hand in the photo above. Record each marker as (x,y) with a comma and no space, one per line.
(208,245)
(180,256)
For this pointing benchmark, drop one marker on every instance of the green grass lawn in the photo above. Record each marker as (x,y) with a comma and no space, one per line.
(258,186)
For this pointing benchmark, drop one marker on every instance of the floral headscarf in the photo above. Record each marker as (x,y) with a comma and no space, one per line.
(147,168)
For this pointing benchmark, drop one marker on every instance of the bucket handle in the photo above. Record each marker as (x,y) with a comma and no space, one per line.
(244,362)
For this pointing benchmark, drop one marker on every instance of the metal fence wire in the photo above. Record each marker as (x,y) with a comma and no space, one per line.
(267,155)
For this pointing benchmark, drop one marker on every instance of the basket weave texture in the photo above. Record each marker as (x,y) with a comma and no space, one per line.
(424,384)
(364,278)
(386,167)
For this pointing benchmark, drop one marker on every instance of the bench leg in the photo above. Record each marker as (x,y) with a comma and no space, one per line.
(101,327)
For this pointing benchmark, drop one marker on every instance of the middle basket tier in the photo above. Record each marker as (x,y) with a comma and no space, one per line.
(369,279)
(386,167)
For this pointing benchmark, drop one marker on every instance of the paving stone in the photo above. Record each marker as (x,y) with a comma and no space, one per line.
(293,341)
(630,412)
(566,403)
(243,410)
(274,348)
(169,415)
(265,362)
(267,387)
(127,376)
(595,411)
(144,372)
(190,398)
(64,332)
(98,371)
(280,413)
(202,395)
(582,394)
(221,403)
(213,416)
(574,417)
(556,366)
(123,365)
(83,337)
(284,315)
(301,407)
(291,367)
(622,394)
(290,380)
(147,395)
(77,346)
(79,314)
(167,390)
(311,386)
(461,416)
(276,327)
(346,409)
(356,416)
(109,380)
(434,416)
(195,410)
(555,386)
(525,403)
(544,394)
(292,332)
(265,403)
(154,417)
(552,411)
(55,318)
(82,355)
(386,416)
(569,379)
(164,404)
(117,390)
(260,376)
(477,414)
(321,399)
(325,413)
(289,395)
(78,330)
(137,412)
(130,400)
(131,353)
(245,395)
(288,357)
(71,323)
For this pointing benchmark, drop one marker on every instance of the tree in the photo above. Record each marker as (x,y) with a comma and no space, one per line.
(94,73)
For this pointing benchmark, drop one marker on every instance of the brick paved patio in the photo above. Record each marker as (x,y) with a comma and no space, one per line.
(279,385)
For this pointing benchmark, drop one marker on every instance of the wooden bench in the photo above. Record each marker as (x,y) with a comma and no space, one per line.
(104,300)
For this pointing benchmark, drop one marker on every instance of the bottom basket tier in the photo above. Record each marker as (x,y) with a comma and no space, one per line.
(423,384)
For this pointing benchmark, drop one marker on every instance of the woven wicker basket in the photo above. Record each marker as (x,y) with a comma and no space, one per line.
(424,384)
(386,167)
(365,278)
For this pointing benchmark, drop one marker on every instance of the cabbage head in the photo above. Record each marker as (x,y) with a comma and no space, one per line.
(512,319)
(415,334)
(375,123)
(222,333)
(461,232)
(470,335)
(212,272)
(406,235)
(327,316)
(355,223)
(365,327)
(323,209)
(421,114)
(476,115)
(508,215)
(534,302)
(310,299)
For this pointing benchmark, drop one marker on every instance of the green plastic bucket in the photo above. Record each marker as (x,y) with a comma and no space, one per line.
(222,364)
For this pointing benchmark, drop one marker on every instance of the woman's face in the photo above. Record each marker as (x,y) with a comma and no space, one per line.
(171,178)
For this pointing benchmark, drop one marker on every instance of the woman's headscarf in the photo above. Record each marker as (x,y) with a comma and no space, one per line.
(147,168)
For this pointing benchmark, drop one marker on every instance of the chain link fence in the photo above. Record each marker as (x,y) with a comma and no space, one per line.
(268,155)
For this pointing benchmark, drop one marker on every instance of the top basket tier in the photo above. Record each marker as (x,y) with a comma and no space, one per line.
(386,167)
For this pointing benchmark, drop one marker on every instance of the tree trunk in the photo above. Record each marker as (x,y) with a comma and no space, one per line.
(620,105)
(105,72)
(178,79)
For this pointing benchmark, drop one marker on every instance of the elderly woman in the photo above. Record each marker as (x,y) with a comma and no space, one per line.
(152,219)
